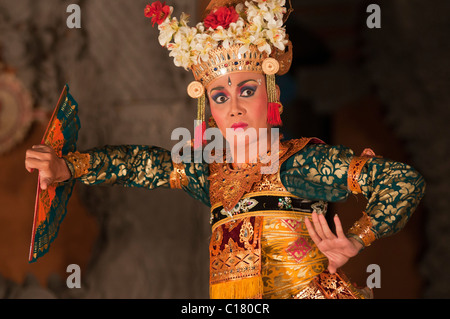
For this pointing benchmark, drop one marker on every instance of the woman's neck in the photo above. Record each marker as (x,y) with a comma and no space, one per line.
(251,153)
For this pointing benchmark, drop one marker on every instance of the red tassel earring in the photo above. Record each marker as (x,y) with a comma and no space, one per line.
(199,134)
(273,114)
(270,68)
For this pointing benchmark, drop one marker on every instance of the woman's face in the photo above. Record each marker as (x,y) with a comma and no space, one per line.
(239,101)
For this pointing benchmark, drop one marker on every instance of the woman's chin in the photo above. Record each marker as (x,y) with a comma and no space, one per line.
(242,142)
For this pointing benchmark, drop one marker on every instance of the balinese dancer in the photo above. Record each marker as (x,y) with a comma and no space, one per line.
(270,238)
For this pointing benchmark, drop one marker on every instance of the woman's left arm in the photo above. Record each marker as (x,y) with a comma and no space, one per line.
(331,173)
(393,191)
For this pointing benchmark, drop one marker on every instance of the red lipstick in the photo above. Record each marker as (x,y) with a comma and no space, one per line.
(241,125)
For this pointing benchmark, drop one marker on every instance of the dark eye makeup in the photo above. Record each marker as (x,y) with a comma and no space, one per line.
(220,98)
(246,90)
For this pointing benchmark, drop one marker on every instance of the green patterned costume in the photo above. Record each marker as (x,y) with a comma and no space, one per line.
(318,172)
(308,173)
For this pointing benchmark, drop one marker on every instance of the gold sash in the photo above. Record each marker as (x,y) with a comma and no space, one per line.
(262,255)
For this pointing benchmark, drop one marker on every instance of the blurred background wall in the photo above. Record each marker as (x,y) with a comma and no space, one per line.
(385,88)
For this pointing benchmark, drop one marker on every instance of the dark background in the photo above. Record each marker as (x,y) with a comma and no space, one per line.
(386,89)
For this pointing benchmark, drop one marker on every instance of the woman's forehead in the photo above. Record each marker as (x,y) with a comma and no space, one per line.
(234,78)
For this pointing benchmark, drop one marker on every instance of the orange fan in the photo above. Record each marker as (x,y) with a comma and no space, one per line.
(51,204)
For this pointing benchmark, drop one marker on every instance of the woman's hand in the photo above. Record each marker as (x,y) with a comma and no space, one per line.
(52,169)
(338,249)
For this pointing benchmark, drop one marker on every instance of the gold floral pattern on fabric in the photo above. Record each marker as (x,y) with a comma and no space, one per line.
(78,163)
(318,172)
(393,189)
(129,166)
(198,183)
(333,286)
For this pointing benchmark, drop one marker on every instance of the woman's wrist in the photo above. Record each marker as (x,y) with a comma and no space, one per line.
(357,244)
(64,173)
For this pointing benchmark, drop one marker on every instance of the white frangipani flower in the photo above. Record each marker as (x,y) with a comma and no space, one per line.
(167,30)
(260,23)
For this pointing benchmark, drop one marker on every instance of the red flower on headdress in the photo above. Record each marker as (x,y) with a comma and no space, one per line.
(157,11)
(222,16)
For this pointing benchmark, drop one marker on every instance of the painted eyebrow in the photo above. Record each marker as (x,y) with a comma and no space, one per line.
(246,81)
(216,89)
(239,85)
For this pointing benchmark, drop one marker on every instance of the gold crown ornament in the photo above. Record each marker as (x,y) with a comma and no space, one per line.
(235,36)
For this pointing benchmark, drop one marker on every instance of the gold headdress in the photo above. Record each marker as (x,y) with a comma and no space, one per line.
(235,36)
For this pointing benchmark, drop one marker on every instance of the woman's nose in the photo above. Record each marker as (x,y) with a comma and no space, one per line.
(236,108)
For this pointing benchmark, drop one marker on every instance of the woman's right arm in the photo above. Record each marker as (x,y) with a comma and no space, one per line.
(127,165)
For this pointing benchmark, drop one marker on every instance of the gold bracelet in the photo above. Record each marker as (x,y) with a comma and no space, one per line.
(355,168)
(363,230)
(78,163)
(178,176)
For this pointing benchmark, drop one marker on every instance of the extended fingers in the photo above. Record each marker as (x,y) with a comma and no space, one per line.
(312,233)
(320,229)
(317,225)
(339,231)
(321,226)
(325,228)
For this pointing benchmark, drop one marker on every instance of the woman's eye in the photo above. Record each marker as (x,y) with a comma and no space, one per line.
(219,99)
(247,92)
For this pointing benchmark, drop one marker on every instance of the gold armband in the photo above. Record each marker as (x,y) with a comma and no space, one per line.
(355,168)
(362,229)
(178,176)
(78,163)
